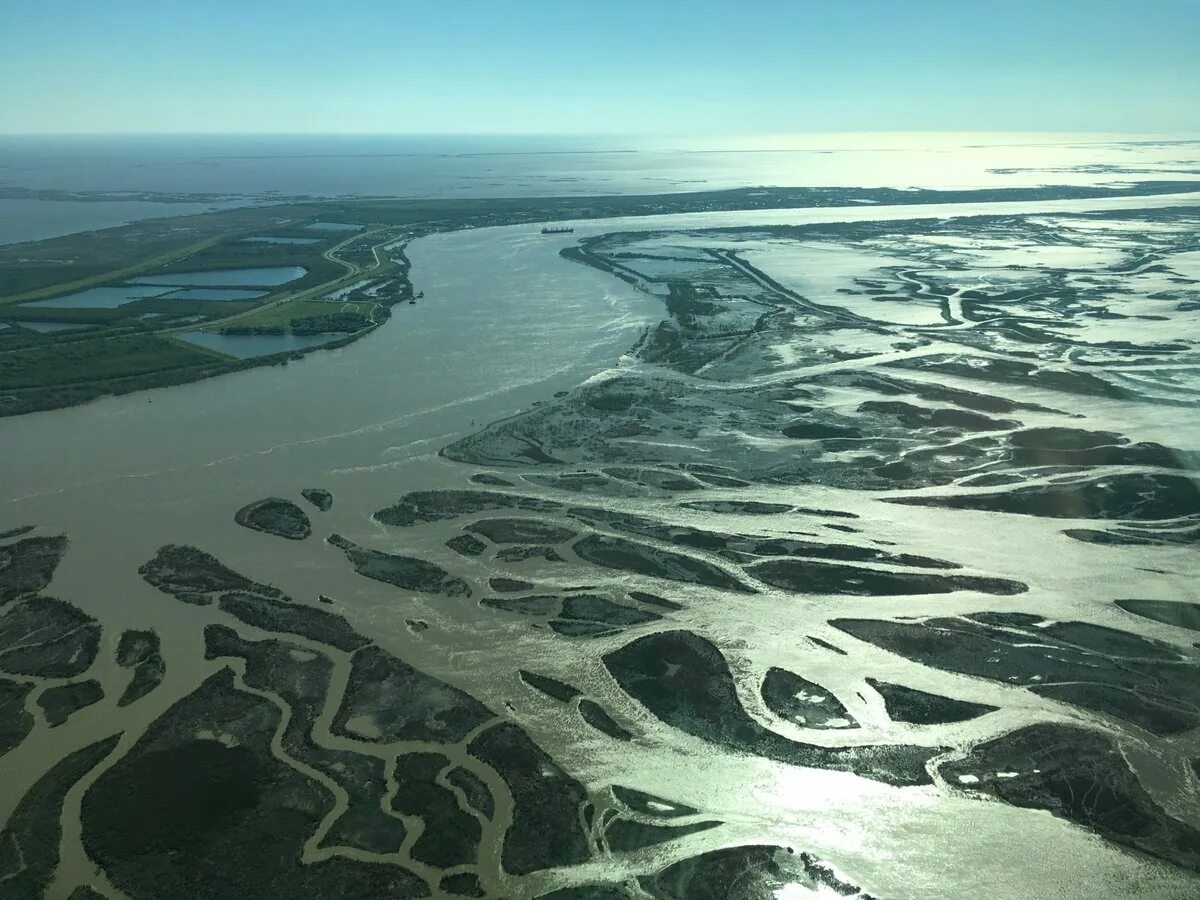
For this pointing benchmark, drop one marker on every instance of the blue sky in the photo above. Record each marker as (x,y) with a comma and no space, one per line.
(699,67)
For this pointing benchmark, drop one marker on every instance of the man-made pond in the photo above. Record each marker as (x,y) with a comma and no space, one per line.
(53,326)
(280,240)
(113,296)
(263,277)
(213,294)
(244,346)
(99,297)
(335,226)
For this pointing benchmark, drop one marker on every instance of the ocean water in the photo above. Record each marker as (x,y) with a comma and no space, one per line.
(229,169)
(24,219)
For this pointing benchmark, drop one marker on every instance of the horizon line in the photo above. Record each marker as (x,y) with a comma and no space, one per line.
(586,134)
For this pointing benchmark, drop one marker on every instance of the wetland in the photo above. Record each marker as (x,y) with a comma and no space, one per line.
(816,550)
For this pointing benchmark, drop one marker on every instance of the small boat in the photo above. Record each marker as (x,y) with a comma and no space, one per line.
(557,230)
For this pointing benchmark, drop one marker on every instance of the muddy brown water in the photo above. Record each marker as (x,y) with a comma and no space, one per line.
(505,323)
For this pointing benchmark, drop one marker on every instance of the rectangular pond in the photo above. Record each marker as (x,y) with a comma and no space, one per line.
(205,293)
(263,277)
(99,297)
(46,327)
(280,240)
(335,226)
(244,346)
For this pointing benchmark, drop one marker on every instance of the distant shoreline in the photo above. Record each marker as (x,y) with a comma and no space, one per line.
(134,346)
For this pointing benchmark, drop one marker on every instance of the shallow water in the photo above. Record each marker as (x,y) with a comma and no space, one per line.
(366,421)
(212,294)
(47,327)
(35,220)
(99,298)
(280,240)
(267,276)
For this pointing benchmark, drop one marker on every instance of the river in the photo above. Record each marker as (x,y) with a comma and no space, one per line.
(504,323)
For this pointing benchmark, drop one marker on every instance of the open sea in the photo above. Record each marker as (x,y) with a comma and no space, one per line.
(181,174)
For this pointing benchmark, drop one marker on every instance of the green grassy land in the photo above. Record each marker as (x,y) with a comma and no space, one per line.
(96,359)
(285,312)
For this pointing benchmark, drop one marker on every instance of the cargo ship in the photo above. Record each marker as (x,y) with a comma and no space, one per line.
(557,230)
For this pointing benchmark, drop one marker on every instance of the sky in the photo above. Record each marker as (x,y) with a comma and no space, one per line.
(699,67)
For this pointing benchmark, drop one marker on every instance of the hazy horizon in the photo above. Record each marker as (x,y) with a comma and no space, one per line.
(1100,135)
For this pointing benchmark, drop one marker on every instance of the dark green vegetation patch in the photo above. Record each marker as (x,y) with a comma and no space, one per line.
(814,577)
(318,497)
(277,516)
(60,702)
(1138,496)
(618,553)
(388,700)
(406,572)
(47,638)
(905,704)
(300,678)
(433,506)
(140,651)
(63,362)
(624,835)
(545,830)
(451,836)
(521,531)
(193,575)
(466,545)
(1081,776)
(293,618)
(648,804)
(803,702)
(551,687)
(201,799)
(1101,669)
(596,716)
(27,566)
(1169,612)
(15,721)
(30,839)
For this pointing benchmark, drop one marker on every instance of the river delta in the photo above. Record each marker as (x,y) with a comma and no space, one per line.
(780,553)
